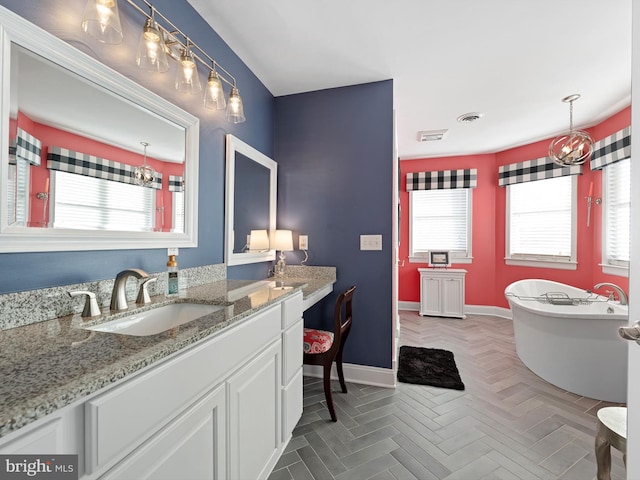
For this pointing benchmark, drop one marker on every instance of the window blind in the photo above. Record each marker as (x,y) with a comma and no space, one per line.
(540,218)
(617,206)
(439,220)
(18,193)
(178,212)
(93,203)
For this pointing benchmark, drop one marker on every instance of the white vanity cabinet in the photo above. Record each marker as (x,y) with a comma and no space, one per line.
(442,292)
(292,336)
(223,408)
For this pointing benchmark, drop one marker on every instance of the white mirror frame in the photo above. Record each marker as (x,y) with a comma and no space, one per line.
(17,30)
(234,145)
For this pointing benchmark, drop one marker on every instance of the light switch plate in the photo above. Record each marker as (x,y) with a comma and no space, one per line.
(303,242)
(370,242)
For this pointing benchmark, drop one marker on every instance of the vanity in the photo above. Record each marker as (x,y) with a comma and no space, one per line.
(217,397)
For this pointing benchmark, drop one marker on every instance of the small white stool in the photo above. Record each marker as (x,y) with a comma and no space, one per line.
(612,432)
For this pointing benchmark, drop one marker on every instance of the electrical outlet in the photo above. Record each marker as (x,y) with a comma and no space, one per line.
(303,242)
(172,251)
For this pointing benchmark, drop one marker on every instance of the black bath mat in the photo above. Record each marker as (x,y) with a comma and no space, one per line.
(428,366)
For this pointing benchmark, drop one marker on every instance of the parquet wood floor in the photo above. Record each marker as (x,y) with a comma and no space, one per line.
(507,425)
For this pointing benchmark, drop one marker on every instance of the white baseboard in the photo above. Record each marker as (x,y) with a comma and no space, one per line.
(488,310)
(411,306)
(468,309)
(375,376)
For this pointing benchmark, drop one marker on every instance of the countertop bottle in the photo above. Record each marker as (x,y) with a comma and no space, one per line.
(172,276)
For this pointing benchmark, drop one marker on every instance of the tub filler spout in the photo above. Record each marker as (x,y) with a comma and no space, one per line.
(622,296)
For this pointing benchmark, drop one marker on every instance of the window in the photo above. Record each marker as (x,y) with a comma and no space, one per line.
(616,209)
(94,203)
(440,220)
(18,193)
(541,223)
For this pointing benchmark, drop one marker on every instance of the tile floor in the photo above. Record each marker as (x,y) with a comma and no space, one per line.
(506,424)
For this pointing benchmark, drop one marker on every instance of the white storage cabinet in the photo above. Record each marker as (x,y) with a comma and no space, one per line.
(442,292)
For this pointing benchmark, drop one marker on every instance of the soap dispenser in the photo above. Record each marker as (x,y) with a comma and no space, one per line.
(172,276)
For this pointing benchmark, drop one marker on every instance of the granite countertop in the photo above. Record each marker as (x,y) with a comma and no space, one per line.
(48,365)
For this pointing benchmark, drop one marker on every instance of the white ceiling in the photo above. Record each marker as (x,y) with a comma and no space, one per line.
(511,60)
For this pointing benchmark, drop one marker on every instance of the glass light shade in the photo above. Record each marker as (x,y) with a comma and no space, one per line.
(214,95)
(187,77)
(235,110)
(572,148)
(258,241)
(101,20)
(152,55)
(283,240)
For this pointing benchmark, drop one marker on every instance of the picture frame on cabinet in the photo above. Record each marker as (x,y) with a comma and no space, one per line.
(439,259)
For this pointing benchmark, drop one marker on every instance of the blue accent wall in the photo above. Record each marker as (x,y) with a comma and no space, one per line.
(334,150)
(25,271)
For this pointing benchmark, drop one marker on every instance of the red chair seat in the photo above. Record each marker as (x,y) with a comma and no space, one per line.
(317,341)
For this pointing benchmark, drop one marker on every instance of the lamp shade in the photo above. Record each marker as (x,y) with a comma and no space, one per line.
(282,240)
(101,20)
(259,240)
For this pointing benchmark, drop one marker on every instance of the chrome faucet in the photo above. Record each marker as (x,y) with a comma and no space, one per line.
(119,293)
(622,297)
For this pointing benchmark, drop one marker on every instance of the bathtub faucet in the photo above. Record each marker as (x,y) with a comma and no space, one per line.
(622,297)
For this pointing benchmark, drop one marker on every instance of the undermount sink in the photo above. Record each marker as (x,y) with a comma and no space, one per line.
(157,320)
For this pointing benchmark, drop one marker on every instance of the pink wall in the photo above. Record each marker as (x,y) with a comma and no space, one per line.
(50,136)
(488,275)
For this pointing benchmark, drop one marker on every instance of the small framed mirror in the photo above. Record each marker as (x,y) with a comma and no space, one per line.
(250,207)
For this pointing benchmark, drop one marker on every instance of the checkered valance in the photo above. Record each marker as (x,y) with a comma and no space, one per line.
(66,160)
(442,179)
(28,147)
(611,149)
(12,153)
(176,183)
(537,169)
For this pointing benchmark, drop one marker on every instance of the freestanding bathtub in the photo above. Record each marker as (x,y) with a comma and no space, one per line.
(573,344)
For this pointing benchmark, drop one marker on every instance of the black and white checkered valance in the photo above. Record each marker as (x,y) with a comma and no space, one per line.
(442,179)
(531,170)
(611,149)
(28,147)
(66,160)
(176,183)
(12,153)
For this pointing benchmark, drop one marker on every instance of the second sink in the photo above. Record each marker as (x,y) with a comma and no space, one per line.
(157,320)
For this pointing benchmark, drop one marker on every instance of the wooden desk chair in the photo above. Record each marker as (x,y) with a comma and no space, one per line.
(322,347)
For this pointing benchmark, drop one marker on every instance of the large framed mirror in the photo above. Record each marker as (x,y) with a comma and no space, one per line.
(89,159)
(250,206)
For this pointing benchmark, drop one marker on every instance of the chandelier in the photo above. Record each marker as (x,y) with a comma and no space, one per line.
(573,147)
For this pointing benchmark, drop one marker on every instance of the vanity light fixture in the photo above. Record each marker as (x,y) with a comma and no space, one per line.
(102,21)
(214,94)
(283,241)
(162,39)
(152,54)
(573,147)
(144,175)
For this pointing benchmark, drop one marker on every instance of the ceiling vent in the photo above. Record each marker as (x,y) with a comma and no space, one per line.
(470,117)
(431,135)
